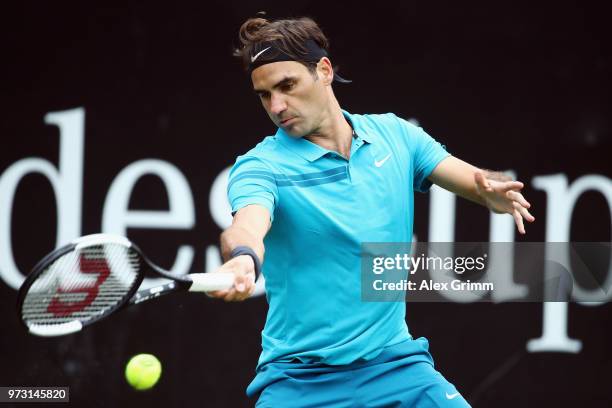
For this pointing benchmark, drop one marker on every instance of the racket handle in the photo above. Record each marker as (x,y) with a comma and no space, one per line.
(208,282)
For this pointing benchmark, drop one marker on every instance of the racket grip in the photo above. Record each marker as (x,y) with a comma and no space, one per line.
(208,282)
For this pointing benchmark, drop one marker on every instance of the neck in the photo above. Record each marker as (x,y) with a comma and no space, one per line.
(334,133)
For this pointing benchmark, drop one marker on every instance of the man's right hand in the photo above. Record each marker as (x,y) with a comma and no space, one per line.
(243,269)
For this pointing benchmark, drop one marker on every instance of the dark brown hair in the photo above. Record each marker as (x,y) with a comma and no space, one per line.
(289,34)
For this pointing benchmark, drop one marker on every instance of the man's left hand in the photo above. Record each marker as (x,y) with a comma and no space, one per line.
(504,197)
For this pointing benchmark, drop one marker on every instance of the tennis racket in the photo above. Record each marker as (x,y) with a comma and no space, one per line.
(93,277)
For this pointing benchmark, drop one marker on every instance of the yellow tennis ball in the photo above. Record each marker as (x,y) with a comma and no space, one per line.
(143,371)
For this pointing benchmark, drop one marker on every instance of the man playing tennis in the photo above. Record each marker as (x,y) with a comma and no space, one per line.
(327,181)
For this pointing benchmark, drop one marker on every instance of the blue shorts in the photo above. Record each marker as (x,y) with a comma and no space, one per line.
(402,375)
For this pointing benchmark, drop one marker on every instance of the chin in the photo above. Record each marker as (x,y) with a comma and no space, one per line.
(295,131)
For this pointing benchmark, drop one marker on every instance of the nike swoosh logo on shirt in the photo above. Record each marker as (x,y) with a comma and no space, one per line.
(254,57)
(451,396)
(379,163)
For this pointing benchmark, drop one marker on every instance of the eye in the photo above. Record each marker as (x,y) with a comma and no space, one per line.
(288,86)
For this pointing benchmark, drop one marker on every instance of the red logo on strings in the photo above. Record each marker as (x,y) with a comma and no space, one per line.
(59,308)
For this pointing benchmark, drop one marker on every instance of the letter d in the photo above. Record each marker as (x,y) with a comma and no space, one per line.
(66,183)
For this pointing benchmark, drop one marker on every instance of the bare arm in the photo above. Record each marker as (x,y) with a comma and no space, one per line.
(249,227)
(492,189)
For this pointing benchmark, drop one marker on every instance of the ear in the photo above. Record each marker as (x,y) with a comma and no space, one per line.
(325,71)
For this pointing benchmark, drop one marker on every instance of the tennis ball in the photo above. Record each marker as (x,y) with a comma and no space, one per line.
(143,371)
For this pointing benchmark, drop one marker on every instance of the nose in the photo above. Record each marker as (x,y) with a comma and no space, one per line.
(277,104)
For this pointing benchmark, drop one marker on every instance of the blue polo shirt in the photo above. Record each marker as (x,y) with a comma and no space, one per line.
(323,207)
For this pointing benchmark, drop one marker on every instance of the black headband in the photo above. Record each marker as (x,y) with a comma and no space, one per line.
(268,52)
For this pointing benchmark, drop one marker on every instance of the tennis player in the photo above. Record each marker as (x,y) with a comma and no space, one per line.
(327,181)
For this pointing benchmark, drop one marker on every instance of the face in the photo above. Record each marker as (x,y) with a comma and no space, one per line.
(294,99)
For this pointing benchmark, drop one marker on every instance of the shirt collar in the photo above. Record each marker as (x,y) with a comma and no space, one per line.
(312,151)
(362,131)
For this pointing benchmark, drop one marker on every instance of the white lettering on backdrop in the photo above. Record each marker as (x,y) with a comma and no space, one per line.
(67,182)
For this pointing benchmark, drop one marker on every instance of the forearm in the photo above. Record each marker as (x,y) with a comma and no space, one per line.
(465,187)
(236,236)
(249,227)
(457,176)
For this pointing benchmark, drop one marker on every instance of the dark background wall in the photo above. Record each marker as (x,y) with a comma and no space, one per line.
(504,85)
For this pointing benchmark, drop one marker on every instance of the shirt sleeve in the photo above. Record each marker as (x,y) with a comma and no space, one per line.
(252,182)
(426,154)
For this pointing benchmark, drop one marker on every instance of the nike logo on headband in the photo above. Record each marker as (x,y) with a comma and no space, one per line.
(253,58)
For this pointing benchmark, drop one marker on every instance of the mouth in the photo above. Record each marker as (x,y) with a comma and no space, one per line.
(286,121)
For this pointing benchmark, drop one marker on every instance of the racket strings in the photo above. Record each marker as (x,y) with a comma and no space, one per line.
(82,285)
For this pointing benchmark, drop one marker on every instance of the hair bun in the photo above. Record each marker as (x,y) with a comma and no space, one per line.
(249,31)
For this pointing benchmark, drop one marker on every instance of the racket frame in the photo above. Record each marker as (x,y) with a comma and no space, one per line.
(131,297)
